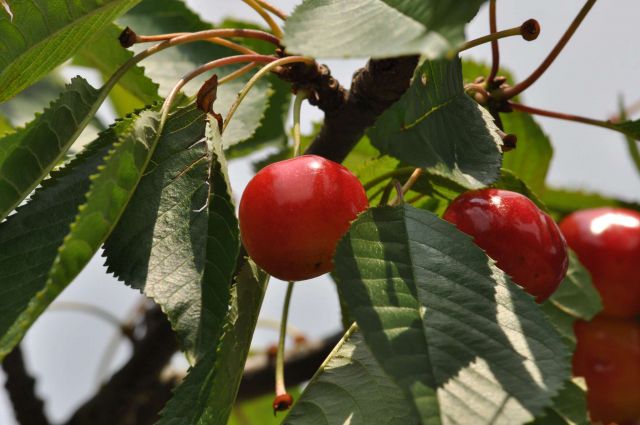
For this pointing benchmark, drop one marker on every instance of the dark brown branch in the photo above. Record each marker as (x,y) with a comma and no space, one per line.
(136,393)
(27,406)
(348,114)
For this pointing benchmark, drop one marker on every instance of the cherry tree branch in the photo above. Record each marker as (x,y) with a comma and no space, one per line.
(349,113)
(27,406)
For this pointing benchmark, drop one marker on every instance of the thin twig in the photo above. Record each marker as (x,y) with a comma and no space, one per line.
(510,92)
(495,49)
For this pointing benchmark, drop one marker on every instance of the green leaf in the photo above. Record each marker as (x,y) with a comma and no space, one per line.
(106,55)
(352,389)
(186,235)
(569,406)
(378,28)
(463,342)
(29,239)
(562,202)
(531,158)
(168,16)
(272,130)
(45,33)
(575,299)
(110,191)
(166,219)
(207,394)
(28,155)
(436,126)
(5,126)
(628,128)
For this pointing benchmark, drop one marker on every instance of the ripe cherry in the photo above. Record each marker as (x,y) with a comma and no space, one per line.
(607,355)
(525,242)
(607,241)
(294,212)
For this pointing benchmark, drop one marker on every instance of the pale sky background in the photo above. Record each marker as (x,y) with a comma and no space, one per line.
(63,349)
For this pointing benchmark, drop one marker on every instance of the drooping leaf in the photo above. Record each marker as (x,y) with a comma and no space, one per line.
(562,202)
(43,34)
(207,394)
(106,55)
(378,28)
(436,126)
(463,342)
(185,245)
(167,67)
(28,155)
(575,299)
(352,389)
(29,239)
(110,191)
(569,406)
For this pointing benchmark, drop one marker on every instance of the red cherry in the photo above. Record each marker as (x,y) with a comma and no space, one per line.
(607,241)
(607,355)
(294,212)
(525,242)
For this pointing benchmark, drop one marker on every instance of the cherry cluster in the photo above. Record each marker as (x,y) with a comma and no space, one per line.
(529,246)
(607,355)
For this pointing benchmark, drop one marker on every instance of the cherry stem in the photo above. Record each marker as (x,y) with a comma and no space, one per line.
(562,116)
(529,30)
(237,73)
(267,68)
(278,12)
(202,69)
(275,28)
(413,178)
(6,7)
(215,40)
(495,50)
(510,92)
(297,105)
(281,389)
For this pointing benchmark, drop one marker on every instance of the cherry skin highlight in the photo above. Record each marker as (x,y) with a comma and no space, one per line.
(524,241)
(607,355)
(294,212)
(607,241)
